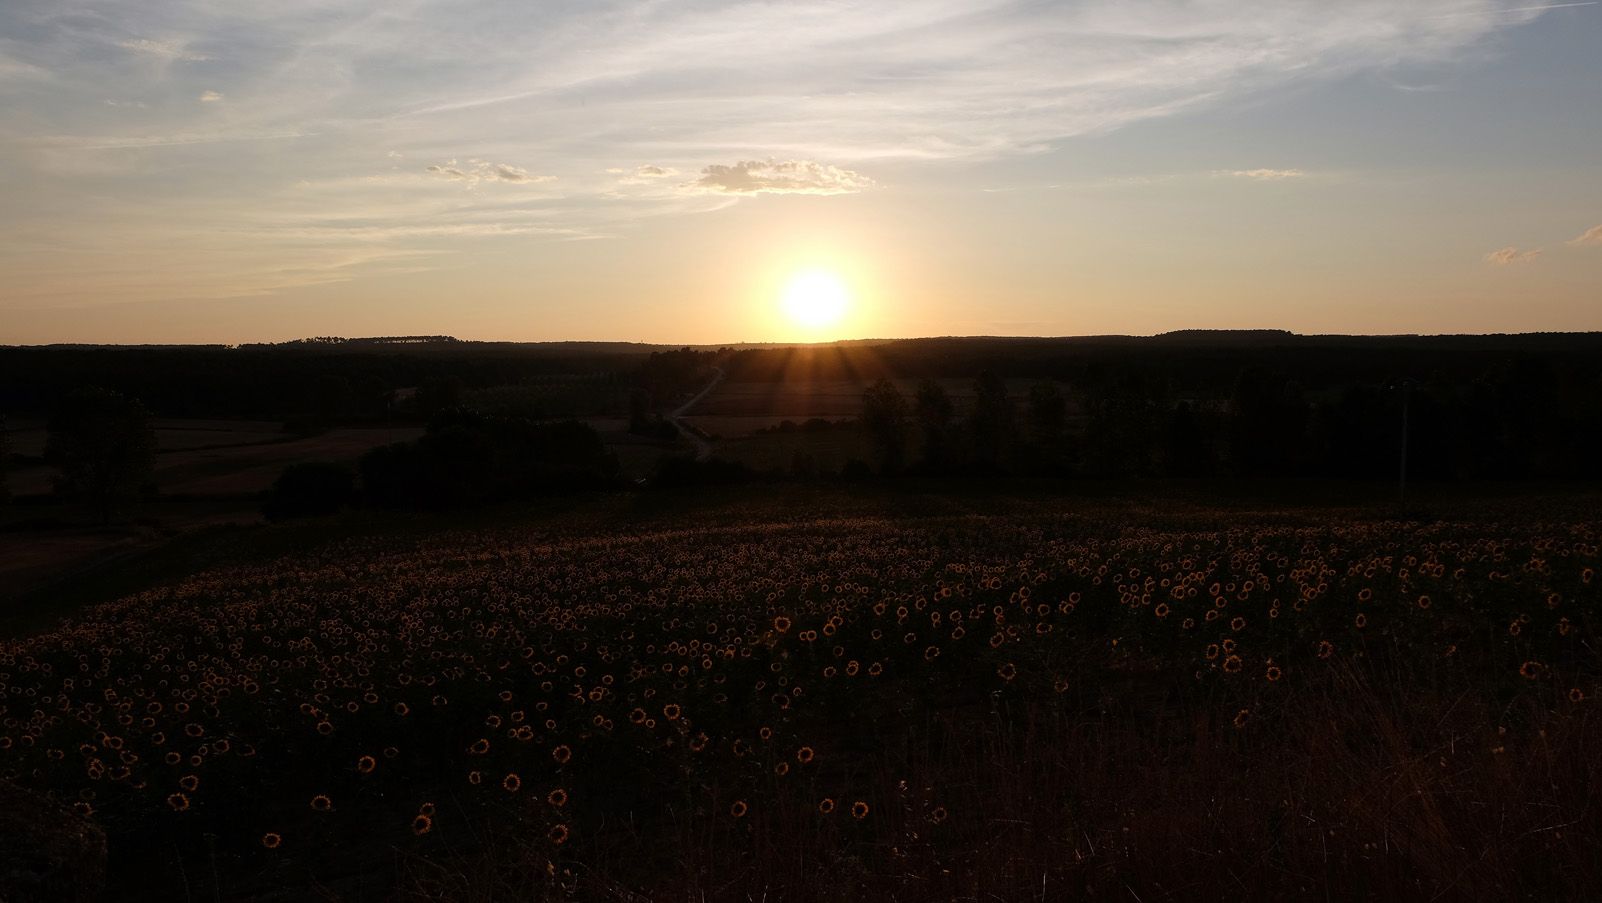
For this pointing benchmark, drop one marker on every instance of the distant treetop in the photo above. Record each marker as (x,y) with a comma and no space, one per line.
(370,340)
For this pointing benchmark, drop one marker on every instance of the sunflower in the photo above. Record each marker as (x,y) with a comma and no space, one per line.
(178,801)
(739,809)
(804,754)
(366,764)
(321,803)
(271,840)
(557,834)
(562,754)
(511,783)
(422,824)
(859,810)
(1241,717)
(557,797)
(825,806)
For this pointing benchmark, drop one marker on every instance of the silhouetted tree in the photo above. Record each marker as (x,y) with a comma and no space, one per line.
(440,394)
(466,457)
(678,471)
(310,489)
(934,411)
(884,416)
(991,424)
(640,421)
(1185,449)
(1048,424)
(1268,423)
(804,465)
(104,447)
(5,461)
(330,397)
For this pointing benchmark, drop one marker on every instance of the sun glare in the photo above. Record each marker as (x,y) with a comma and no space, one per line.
(815,299)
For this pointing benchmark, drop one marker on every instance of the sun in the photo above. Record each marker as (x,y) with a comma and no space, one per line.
(815,299)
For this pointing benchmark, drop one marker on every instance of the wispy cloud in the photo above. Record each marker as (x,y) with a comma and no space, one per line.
(167,50)
(1510,255)
(476,171)
(781,177)
(809,96)
(1591,236)
(1263,175)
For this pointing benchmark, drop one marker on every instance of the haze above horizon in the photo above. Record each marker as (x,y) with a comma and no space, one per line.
(706,172)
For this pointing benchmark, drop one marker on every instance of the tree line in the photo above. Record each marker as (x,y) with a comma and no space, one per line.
(1515,422)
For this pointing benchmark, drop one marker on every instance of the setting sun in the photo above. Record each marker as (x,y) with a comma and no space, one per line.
(814,299)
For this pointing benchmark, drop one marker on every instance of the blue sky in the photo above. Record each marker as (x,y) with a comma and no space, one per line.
(186,171)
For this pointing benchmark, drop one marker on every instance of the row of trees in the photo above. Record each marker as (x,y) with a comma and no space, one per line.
(1516,424)
(318,382)
(466,457)
(988,438)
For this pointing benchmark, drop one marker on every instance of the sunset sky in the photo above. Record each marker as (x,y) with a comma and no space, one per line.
(661,171)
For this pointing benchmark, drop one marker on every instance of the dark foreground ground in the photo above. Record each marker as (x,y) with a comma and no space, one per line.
(807,694)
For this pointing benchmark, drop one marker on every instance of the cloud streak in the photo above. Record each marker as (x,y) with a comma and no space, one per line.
(167,50)
(1591,236)
(476,171)
(781,177)
(1264,175)
(1510,256)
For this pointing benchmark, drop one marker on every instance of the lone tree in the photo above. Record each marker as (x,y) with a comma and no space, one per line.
(5,460)
(934,412)
(991,422)
(104,447)
(1048,422)
(884,415)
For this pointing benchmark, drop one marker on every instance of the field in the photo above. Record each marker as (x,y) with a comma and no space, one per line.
(211,457)
(819,696)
